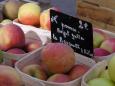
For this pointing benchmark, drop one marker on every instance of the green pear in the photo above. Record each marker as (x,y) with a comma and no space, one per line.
(105,74)
(6,21)
(100,82)
(111,68)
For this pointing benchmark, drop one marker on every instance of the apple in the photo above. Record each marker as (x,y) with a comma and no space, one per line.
(35,70)
(9,76)
(29,14)
(100,82)
(16,51)
(6,21)
(109,45)
(77,71)
(58,57)
(33,45)
(105,74)
(98,37)
(111,68)
(45,19)
(11,36)
(100,52)
(59,78)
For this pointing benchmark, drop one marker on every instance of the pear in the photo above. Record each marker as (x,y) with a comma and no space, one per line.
(10,9)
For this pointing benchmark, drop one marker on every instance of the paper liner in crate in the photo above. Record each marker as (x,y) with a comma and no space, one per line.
(35,58)
(31,34)
(94,72)
(100,58)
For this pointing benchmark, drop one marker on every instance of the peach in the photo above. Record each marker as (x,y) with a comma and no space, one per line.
(11,36)
(16,51)
(109,45)
(59,55)
(77,71)
(59,78)
(30,46)
(100,52)
(35,70)
(98,37)
(45,19)
(9,76)
(29,14)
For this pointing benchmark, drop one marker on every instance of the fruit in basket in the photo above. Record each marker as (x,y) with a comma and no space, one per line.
(59,55)
(45,19)
(6,21)
(100,82)
(35,70)
(16,51)
(111,68)
(29,14)
(9,76)
(11,36)
(30,46)
(59,78)
(77,71)
(10,9)
(100,52)
(98,37)
(105,74)
(109,45)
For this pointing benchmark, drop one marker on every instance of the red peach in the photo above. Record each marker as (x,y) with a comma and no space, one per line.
(9,76)
(59,78)
(58,55)
(77,71)
(11,36)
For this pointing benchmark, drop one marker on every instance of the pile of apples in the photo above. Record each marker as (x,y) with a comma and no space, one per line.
(103,43)
(106,77)
(13,40)
(56,64)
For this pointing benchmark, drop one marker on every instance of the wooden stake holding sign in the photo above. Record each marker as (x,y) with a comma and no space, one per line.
(72,31)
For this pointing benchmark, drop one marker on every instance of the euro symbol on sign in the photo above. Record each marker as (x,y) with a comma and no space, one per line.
(54,19)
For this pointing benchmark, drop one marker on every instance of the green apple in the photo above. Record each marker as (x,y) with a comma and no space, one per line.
(111,68)
(105,74)
(100,82)
(6,21)
(35,70)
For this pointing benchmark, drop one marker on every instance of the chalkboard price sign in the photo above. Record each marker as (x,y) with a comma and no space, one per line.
(72,31)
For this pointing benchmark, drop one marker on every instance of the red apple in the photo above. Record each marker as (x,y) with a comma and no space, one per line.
(59,78)
(16,51)
(77,71)
(29,14)
(100,52)
(109,45)
(11,36)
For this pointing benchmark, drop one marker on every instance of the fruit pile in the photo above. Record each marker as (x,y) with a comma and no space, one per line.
(103,43)
(13,40)
(25,13)
(106,77)
(55,66)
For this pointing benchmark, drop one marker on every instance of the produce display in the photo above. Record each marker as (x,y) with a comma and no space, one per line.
(57,60)
(47,69)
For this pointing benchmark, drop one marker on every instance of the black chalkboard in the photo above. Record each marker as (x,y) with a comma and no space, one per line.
(72,31)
